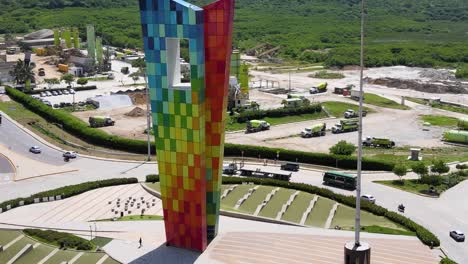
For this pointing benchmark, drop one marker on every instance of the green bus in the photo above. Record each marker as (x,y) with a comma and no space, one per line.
(339,179)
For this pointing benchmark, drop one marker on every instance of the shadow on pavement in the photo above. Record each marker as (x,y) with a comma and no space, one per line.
(165,254)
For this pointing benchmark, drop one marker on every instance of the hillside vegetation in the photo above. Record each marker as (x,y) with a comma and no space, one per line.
(399,32)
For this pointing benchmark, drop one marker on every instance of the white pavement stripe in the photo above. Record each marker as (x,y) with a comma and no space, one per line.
(13,242)
(22,252)
(286,205)
(51,254)
(265,202)
(104,258)
(36,245)
(309,209)
(331,215)
(246,196)
(75,258)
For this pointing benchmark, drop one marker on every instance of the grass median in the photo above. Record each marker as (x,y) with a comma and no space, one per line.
(439,120)
(378,100)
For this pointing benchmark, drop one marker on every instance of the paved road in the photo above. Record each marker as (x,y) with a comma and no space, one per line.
(5,165)
(439,215)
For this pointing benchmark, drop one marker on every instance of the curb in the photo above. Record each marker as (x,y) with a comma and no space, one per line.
(44,175)
(11,163)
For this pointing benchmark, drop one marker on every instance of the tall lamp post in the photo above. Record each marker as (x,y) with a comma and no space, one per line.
(357,251)
(148,114)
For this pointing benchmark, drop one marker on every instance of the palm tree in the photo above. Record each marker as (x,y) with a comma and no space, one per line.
(22,72)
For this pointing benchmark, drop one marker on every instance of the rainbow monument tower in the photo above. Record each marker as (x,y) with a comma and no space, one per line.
(189,118)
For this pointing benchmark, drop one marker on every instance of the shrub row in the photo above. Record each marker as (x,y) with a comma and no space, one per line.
(345,162)
(78,88)
(68,191)
(152,178)
(63,240)
(279,112)
(423,234)
(99,137)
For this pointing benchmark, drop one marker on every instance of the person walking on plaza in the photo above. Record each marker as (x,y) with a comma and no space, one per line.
(141,242)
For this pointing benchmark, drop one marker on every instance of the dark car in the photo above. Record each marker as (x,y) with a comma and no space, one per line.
(457,235)
(290,167)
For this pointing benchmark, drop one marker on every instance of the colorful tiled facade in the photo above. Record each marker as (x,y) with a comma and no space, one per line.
(189,119)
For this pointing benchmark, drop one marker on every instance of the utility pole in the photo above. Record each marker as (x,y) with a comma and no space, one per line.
(358,252)
(289,81)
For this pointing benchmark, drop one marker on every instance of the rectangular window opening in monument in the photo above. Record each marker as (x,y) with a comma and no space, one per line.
(178,63)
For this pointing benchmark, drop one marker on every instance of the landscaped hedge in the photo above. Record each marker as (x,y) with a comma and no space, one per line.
(68,191)
(279,112)
(345,162)
(99,137)
(423,234)
(63,240)
(78,88)
(152,178)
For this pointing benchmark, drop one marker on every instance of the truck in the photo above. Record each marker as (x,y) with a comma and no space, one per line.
(101,121)
(456,136)
(317,130)
(350,113)
(340,90)
(296,102)
(321,88)
(378,142)
(463,123)
(356,94)
(229,168)
(346,125)
(257,125)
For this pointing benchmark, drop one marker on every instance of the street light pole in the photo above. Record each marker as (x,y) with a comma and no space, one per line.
(358,252)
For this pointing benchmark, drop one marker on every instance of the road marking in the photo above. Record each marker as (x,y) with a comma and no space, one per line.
(331,215)
(51,254)
(13,242)
(73,260)
(104,258)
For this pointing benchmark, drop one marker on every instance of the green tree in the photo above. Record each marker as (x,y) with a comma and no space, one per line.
(135,77)
(343,148)
(22,72)
(68,78)
(420,169)
(82,81)
(439,167)
(400,170)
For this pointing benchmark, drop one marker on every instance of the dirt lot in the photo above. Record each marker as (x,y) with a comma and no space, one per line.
(51,71)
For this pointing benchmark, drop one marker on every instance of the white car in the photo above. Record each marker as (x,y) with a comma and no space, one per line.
(457,235)
(35,150)
(369,198)
(72,91)
(70,154)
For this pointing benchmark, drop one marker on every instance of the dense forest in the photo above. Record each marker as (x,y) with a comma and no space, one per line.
(399,32)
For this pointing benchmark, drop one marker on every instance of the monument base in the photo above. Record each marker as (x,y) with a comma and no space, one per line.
(357,254)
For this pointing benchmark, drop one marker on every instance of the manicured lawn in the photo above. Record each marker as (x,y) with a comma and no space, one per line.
(35,255)
(297,208)
(278,120)
(89,258)
(377,100)
(101,241)
(6,236)
(412,186)
(155,186)
(320,212)
(230,201)
(10,252)
(61,256)
(438,120)
(337,109)
(250,205)
(273,207)
(344,217)
(386,230)
(327,75)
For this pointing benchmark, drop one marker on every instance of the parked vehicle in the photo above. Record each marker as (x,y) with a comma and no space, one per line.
(47,93)
(72,91)
(59,92)
(101,121)
(314,131)
(340,90)
(339,179)
(110,76)
(321,88)
(47,103)
(356,94)
(124,70)
(369,198)
(35,150)
(350,113)
(313,90)
(463,123)
(378,142)
(296,102)
(290,166)
(65,92)
(457,235)
(42,94)
(70,154)
(345,126)
(230,169)
(54,93)
(41,73)
(257,125)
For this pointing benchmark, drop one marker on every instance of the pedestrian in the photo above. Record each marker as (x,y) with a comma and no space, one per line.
(141,242)
(0,119)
